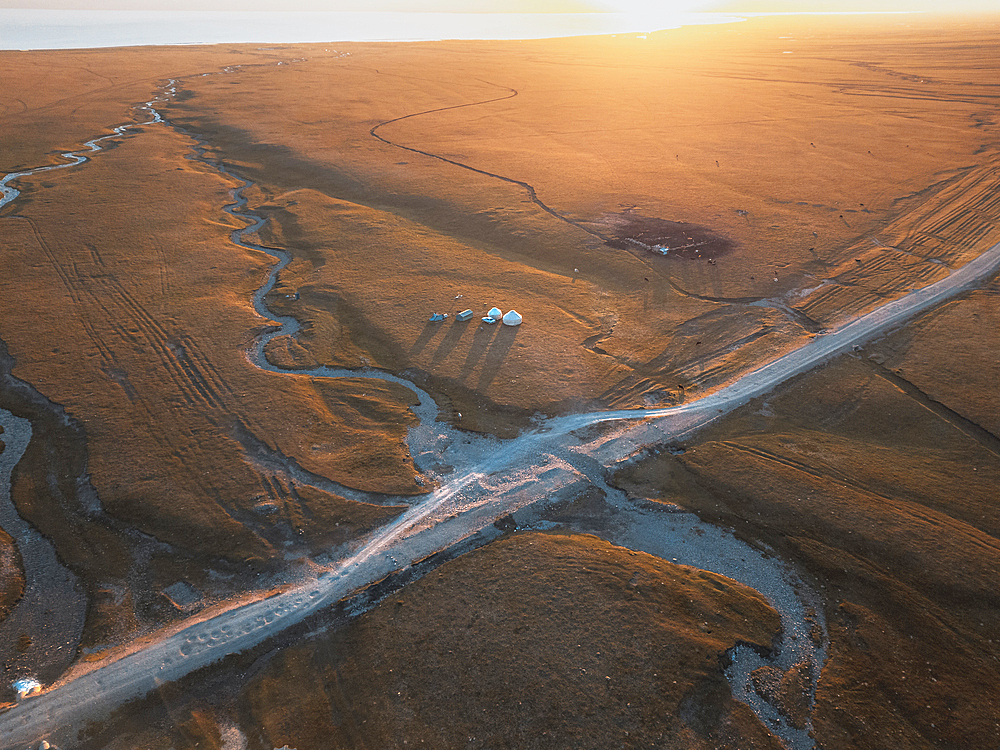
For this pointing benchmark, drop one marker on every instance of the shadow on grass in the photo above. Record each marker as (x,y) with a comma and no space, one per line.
(496,354)
(480,343)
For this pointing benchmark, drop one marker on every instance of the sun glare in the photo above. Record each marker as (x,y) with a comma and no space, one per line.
(651,8)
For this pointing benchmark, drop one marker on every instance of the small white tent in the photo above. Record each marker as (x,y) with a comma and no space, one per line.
(495,313)
(513,318)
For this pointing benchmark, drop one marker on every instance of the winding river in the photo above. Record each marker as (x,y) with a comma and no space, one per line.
(52,609)
(491,479)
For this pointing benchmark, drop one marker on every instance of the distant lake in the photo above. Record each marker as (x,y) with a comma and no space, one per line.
(76,29)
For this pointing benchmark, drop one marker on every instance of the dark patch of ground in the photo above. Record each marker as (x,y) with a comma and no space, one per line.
(672,239)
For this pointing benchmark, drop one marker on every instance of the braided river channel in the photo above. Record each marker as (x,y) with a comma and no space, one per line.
(489,479)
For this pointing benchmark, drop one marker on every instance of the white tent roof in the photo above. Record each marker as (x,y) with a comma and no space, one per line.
(513,318)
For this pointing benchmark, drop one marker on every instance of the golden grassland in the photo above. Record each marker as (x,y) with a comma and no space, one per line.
(840,163)
(886,493)
(815,167)
(59,99)
(534,641)
(537,640)
(126,304)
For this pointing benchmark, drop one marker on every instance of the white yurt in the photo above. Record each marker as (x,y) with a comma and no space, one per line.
(495,313)
(513,318)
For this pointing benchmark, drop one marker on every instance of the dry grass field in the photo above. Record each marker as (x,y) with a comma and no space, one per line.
(126,305)
(801,171)
(878,474)
(541,160)
(536,641)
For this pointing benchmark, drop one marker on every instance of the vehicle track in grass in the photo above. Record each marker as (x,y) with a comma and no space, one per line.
(527,187)
(491,479)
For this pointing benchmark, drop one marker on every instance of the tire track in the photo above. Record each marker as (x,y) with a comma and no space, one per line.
(161,260)
(803,468)
(106,353)
(7,109)
(630,389)
(170,366)
(208,371)
(528,188)
(95,256)
(60,270)
(900,508)
(188,379)
(953,218)
(77,291)
(99,75)
(963,424)
(188,376)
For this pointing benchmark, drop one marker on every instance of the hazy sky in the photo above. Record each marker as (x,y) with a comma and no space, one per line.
(641,7)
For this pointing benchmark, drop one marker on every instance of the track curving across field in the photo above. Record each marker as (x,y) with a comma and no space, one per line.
(491,479)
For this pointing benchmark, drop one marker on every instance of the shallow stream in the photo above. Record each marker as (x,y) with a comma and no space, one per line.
(668,533)
(487,478)
(52,609)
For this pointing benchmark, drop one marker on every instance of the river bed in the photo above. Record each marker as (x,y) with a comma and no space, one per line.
(51,611)
(480,480)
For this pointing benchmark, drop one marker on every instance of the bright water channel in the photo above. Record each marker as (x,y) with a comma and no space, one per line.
(470,489)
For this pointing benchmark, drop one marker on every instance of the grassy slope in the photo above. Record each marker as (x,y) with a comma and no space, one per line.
(888,497)
(535,641)
(876,129)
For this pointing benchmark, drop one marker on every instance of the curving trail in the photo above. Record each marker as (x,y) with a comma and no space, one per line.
(491,479)
(528,188)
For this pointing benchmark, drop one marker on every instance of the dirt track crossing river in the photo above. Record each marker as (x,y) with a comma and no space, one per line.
(491,479)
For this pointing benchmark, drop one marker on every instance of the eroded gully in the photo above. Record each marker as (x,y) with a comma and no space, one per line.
(490,479)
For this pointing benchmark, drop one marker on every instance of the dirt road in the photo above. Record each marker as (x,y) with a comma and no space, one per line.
(472,499)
